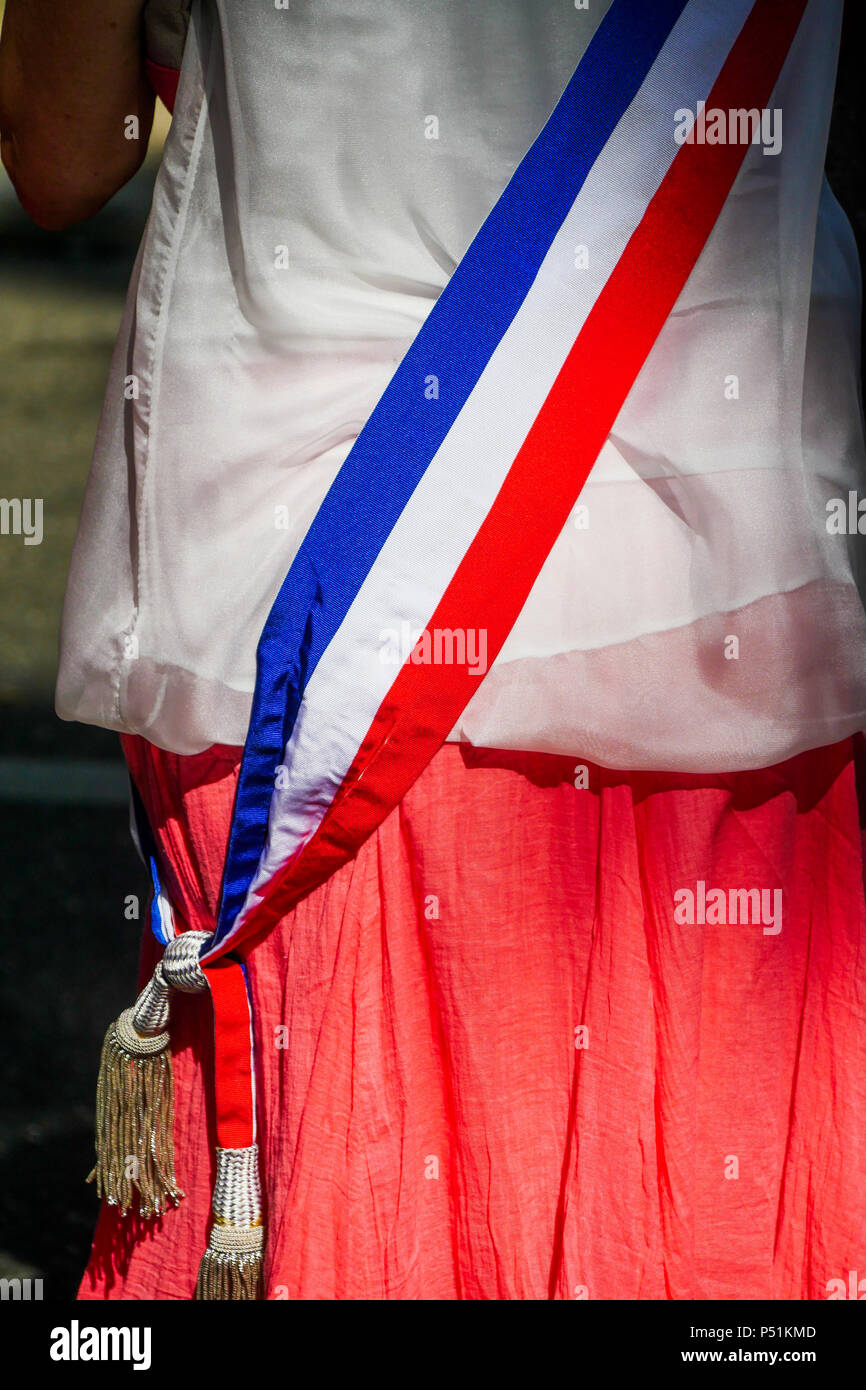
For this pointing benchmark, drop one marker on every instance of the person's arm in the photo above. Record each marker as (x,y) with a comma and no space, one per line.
(71,76)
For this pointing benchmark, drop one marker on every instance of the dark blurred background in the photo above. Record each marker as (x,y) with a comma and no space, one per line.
(69,953)
(68,864)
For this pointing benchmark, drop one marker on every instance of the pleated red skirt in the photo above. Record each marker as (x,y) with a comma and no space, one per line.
(539,1040)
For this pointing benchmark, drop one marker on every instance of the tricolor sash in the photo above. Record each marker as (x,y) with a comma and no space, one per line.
(464,475)
(455,491)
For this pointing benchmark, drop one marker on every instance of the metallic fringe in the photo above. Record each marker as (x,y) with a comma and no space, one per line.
(134,1121)
(229,1276)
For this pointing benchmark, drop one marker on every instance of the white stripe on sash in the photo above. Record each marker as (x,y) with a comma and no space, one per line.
(459,487)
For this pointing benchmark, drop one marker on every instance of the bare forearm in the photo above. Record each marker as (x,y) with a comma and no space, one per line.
(71,77)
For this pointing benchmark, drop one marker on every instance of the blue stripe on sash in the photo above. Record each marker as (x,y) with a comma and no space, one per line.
(405,430)
(147,850)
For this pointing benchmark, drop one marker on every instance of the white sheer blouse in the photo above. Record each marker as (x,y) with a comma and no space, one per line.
(328,165)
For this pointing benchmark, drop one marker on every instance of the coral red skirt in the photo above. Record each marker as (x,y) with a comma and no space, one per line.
(539,1040)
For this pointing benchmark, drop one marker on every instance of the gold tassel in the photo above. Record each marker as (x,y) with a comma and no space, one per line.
(135,1108)
(230,1276)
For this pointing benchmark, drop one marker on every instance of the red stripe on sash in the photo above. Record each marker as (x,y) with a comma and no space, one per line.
(235,1120)
(503,561)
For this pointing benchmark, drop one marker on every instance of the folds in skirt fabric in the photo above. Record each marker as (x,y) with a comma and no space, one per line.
(555,1033)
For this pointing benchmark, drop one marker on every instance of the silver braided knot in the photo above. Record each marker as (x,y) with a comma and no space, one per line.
(180,962)
(149,1014)
(142,1029)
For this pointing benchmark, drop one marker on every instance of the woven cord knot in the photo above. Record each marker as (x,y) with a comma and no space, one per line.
(180,962)
(140,1028)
